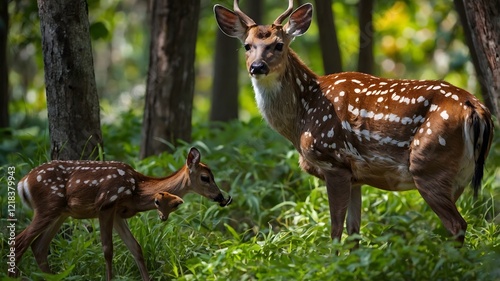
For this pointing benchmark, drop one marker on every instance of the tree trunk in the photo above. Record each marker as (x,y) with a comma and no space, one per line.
(4,72)
(365,58)
(332,61)
(254,10)
(170,82)
(480,20)
(225,81)
(72,101)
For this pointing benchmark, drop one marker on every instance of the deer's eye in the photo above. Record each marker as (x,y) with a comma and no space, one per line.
(279,47)
(157,202)
(205,178)
(247,47)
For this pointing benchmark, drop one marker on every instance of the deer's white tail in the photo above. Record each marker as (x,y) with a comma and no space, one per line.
(24,192)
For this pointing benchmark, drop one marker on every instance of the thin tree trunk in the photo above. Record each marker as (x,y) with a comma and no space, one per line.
(4,72)
(72,101)
(170,83)
(481,22)
(255,9)
(225,82)
(332,61)
(365,58)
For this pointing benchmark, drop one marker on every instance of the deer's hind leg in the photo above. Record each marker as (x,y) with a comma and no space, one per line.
(41,244)
(38,226)
(434,178)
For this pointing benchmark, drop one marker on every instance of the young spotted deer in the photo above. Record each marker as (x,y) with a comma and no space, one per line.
(352,128)
(110,191)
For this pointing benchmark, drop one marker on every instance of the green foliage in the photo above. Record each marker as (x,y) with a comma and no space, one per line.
(277,227)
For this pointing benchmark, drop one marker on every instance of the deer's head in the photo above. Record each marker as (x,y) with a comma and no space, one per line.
(266,46)
(166,203)
(202,180)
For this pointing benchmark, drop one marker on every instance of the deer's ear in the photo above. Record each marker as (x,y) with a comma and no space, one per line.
(193,158)
(299,20)
(229,23)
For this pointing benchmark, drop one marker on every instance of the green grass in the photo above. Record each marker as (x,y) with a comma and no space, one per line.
(278,226)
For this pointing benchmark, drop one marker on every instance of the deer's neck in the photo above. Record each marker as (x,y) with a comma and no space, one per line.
(177,184)
(281,96)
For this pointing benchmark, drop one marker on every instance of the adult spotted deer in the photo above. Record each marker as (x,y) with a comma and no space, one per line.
(352,128)
(110,191)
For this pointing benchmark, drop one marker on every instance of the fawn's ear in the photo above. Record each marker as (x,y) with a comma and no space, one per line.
(193,158)
(299,20)
(230,23)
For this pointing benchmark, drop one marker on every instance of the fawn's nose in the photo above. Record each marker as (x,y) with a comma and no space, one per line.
(259,67)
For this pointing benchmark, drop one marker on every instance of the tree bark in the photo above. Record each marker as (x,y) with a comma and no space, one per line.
(225,80)
(4,72)
(72,101)
(365,58)
(480,20)
(332,60)
(170,82)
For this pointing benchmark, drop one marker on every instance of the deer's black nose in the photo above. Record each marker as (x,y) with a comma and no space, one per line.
(259,67)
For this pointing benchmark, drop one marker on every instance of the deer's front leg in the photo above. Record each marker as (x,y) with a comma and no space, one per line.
(106,224)
(354,210)
(338,187)
(123,230)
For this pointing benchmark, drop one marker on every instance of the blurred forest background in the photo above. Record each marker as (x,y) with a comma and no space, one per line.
(412,39)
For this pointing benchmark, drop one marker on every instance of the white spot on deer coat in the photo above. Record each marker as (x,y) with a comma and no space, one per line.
(121,189)
(121,172)
(113,198)
(330,133)
(445,115)
(39,178)
(442,141)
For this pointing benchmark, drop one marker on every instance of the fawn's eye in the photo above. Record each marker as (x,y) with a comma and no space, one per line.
(205,178)
(157,202)
(279,47)
(247,47)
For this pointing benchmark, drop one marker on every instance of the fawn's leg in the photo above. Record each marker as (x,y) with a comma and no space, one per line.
(39,224)
(40,245)
(123,230)
(106,225)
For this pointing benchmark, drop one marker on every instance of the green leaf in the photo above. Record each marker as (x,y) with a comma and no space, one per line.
(98,30)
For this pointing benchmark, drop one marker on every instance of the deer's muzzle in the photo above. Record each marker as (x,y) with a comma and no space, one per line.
(259,67)
(223,201)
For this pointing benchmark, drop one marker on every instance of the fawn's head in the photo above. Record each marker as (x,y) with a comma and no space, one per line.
(266,46)
(201,179)
(166,203)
